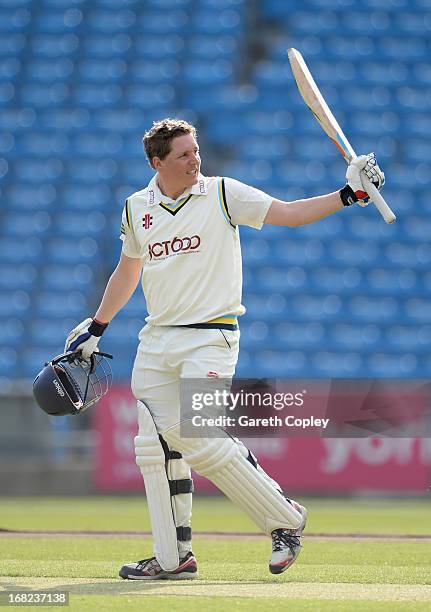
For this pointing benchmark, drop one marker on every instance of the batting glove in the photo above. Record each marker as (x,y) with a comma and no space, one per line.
(354,191)
(85,337)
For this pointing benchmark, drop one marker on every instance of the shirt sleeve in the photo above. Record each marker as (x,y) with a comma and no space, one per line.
(246,205)
(130,244)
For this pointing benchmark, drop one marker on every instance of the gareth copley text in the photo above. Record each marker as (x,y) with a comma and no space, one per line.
(273,421)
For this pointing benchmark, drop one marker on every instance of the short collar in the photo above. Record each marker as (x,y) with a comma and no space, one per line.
(155,196)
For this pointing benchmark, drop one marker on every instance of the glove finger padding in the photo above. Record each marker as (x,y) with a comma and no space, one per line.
(85,337)
(76,331)
(353,178)
(364,164)
(373,171)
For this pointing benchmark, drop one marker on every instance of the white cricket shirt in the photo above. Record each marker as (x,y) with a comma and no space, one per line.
(190,247)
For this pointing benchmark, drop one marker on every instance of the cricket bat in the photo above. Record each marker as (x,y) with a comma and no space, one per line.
(316,103)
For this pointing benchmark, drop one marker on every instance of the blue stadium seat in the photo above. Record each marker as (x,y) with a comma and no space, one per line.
(151,97)
(14,20)
(92,171)
(58,304)
(26,225)
(33,359)
(172,23)
(73,224)
(48,70)
(18,276)
(161,71)
(8,362)
(43,96)
(107,46)
(167,5)
(9,68)
(102,70)
(11,44)
(198,73)
(79,276)
(152,46)
(123,332)
(72,251)
(12,332)
(14,303)
(111,21)
(227,21)
(85,197)
(49,332)
(402,48)
(33,170)
(52,46)
(213,47)
(81,82)
(96,144)
(392,365)
(98,96)
(135,307)
(18,250)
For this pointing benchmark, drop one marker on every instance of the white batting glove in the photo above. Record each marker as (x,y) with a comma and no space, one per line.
(85,338)
(364,164)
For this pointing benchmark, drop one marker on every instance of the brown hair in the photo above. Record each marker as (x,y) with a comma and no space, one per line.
(157,140)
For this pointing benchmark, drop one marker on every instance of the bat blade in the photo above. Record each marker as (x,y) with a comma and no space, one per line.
(321,111)
(316,103)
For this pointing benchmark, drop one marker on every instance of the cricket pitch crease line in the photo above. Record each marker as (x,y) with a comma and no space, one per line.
(199,588)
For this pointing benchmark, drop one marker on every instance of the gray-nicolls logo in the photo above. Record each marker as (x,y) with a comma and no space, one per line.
(58,387)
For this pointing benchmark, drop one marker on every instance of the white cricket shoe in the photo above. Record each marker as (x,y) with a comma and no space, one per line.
(149,569)
(286,544)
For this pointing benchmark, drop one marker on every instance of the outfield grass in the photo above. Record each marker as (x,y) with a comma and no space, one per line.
(330,574)
(215,514)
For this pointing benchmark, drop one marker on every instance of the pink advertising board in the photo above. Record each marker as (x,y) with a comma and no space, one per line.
(310,465)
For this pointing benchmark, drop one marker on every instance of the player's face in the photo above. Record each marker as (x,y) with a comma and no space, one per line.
(181,166)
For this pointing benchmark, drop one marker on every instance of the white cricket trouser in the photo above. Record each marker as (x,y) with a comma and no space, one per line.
(167,354)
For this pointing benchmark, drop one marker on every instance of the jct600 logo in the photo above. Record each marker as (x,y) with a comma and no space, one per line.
(176,245)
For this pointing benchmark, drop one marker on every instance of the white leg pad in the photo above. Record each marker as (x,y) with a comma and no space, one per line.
(224,461)
(181,485)
(150,458)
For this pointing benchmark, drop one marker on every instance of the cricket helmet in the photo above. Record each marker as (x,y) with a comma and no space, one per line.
(69,385)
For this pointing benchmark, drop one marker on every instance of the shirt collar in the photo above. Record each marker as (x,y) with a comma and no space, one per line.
(154,195)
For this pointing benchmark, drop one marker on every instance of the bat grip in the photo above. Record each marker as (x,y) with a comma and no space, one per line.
(378,199)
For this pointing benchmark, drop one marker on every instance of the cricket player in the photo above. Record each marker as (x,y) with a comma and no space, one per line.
(180,237)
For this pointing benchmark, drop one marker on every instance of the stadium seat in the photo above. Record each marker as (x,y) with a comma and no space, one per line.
(80,83)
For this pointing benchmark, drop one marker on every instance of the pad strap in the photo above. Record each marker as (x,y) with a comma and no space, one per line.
(177,487)
(184,534)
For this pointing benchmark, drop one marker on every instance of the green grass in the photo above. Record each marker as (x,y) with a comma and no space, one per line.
(336,575)
(212,514)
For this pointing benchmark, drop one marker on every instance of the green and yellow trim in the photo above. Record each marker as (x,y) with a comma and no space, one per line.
(223,203)
(176,206)
(128,215)
(229,322)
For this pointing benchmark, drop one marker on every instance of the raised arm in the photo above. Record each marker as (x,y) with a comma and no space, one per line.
(302,212)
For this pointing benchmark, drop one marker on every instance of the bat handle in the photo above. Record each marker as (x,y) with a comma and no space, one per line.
(378,200)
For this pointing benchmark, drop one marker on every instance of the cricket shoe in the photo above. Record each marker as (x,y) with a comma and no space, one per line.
(149,569)
(286,544)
